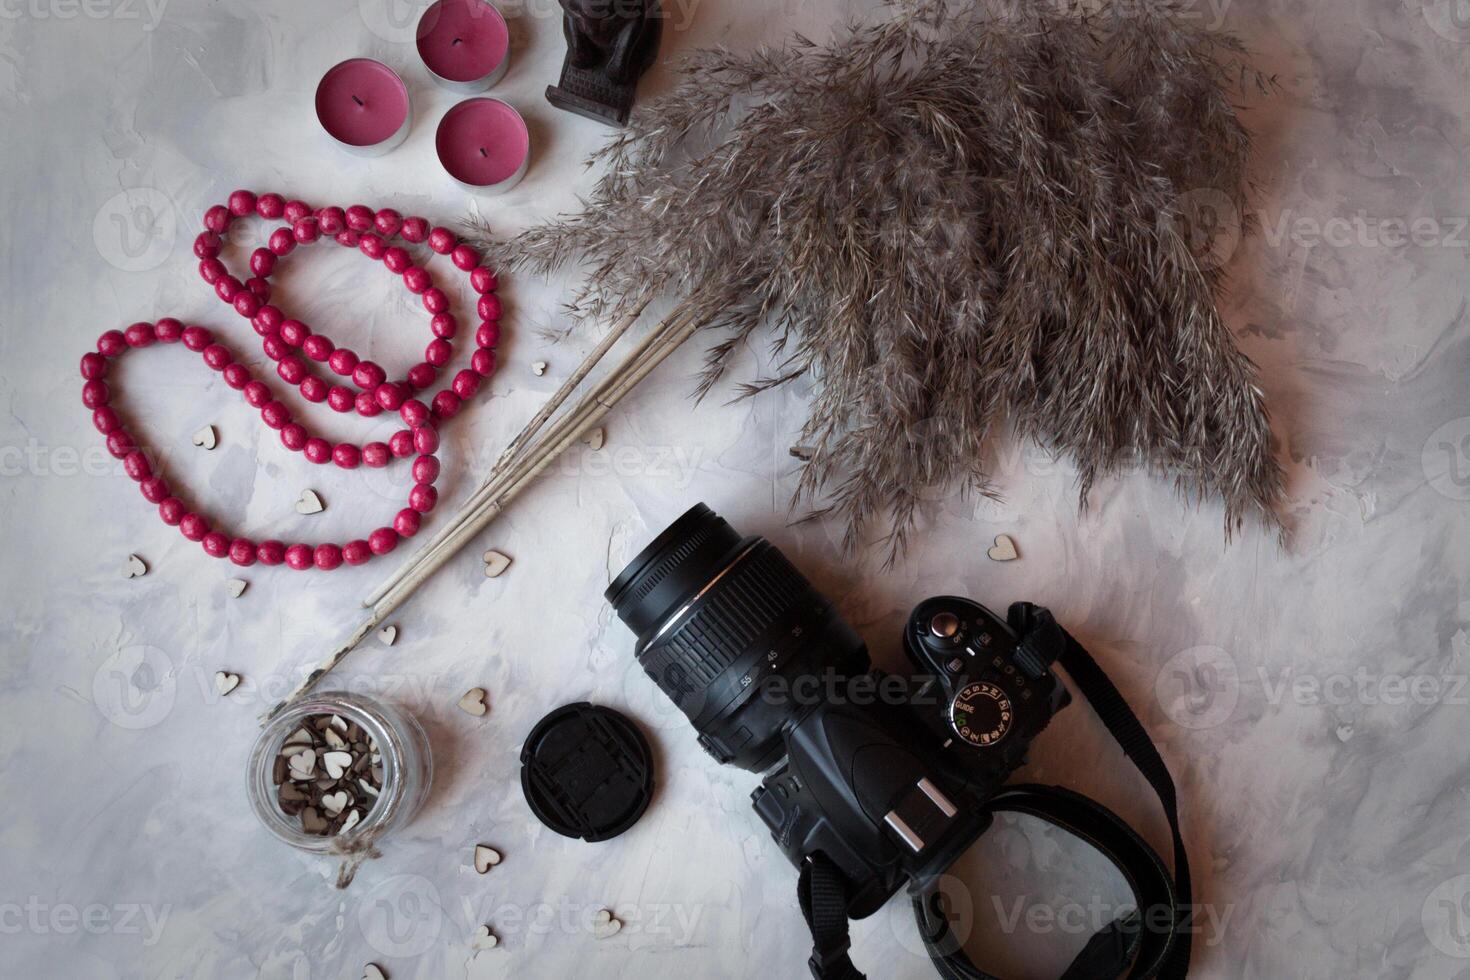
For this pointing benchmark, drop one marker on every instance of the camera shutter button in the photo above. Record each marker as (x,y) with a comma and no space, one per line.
(944,626)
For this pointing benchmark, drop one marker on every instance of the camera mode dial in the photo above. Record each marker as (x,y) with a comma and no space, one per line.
(981,713)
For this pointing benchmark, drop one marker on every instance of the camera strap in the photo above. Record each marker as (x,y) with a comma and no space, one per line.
(1152,941)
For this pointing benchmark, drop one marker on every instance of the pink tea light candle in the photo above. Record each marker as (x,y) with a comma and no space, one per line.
(363,105)
(465,44)
(485,145)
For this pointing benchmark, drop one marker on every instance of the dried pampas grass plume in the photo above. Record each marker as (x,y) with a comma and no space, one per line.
(962,222)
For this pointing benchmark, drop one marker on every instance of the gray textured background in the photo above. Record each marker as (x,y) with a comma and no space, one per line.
(1312,702)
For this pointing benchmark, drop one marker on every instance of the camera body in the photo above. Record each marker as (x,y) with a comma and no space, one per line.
(886,776)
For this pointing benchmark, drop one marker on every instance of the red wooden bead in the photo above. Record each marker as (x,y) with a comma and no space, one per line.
(482,362)
(296,210)
(247,304)
(372,246)
(420,376)
(482,280)
(425,440)
(274,347)
(271,552)
(383,540)
(261,287)
(193,526)
(376,455)
(136,465)
(281,241)
(390,395)
(216,544)
(262,261)
(140,335)
(196,338)
(292,370)
(488,307)
(422,497)
(349,238)
(442,240)
(340,399)
(366,404)
(346,455)
(417,279)
(414,413)
(275,414)
(414,230)
(226,287)
(357,552)
(168,330)
(242,203)
(406,522)
(314,389)
(94,365)
(293,436)
(317,347)
(368,375)
(327,557)
(488,334)
(426,469)
(438,353)
(257,393)
(242,552)
(218,356)
(317,450)
(95,393)
(236,375)
(299,557)
(294,332)
(112,343)
(434,300)
(387,222)
(106,420)
(446,404)
(443,325)
(306,230)
(400,444)
(211,270)
(343,361)
(333,220)
(268,320)
(464,257)
(207,244)
(270,205)
(465,384)
(359,217)
(154,489)
(120,443)
(217,219)
(172,511)
(397,259)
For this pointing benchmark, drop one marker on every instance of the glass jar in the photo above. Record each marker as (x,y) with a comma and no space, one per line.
(408,768)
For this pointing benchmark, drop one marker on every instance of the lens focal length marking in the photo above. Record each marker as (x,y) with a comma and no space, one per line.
(981,714)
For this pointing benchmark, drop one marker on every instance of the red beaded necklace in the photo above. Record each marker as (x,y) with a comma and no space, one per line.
(281,338)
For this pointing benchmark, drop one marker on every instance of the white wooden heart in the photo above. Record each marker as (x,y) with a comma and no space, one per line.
(136,567)
(205,438)
(387,635)
(237,587)
(473,702)
(225,682)
(485,858)
(484,939)
(336,763)
(495,563)
(1004,549)
(309,503)
(373,972)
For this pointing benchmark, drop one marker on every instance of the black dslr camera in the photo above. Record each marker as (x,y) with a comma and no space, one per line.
(874,780)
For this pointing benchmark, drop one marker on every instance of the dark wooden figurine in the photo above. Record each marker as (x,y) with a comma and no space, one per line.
(610,44)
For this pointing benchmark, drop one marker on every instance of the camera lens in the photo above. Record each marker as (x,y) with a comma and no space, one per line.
(733,634)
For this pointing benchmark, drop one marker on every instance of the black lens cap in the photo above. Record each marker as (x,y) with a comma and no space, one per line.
(587,772)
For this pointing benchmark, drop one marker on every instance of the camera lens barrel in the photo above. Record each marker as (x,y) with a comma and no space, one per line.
(727,627)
